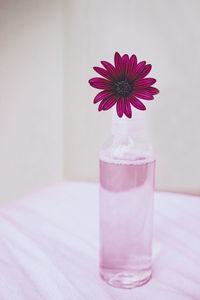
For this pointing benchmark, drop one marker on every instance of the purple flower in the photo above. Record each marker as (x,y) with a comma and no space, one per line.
(123,84)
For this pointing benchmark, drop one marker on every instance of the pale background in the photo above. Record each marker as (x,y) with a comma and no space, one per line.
(49,128)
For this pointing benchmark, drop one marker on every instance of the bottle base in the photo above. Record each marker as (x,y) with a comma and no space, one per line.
(125,279)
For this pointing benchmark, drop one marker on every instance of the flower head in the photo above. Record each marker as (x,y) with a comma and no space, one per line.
(122,84)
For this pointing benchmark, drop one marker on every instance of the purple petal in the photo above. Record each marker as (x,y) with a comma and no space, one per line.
(139,68)
(128,110)
(117,60)
(102,96)
(146,71)
(100,83)
(109,103)
(131,66)
(143,94)
(101,105)
(125,63)
(137,103)
(109,67)
(144,83)
(118,64)
(120,107)
(103,72)
(125,58)
(153,90)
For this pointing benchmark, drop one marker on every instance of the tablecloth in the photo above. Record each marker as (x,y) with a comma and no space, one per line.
(49,247)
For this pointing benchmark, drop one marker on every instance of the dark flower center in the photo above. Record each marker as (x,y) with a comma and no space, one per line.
(123,87)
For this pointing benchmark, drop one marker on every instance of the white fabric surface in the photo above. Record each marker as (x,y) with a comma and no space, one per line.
(49,247)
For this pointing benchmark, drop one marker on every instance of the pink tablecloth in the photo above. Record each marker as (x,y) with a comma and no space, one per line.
(49,248)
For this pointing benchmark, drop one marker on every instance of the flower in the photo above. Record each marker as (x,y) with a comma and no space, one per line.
(123,84)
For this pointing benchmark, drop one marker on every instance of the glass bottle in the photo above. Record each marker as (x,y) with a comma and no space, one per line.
(127,172)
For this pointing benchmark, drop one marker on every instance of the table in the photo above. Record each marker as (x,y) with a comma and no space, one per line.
(49,247)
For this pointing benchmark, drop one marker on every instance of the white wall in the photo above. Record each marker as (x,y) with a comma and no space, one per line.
(166,34)
(34,141)
(31,128)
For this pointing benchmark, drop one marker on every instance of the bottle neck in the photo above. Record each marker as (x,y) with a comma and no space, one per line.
(136,126)
(130,141)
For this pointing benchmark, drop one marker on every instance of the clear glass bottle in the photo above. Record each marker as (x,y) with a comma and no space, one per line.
(127,172)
